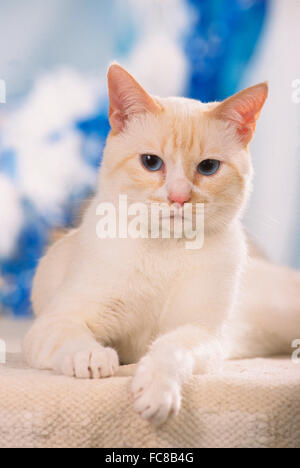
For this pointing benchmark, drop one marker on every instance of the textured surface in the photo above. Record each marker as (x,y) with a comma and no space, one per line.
(254,403)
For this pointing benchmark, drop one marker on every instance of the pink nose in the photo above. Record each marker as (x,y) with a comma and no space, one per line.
(180,198)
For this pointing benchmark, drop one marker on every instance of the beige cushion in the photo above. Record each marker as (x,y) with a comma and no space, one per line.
(254,403)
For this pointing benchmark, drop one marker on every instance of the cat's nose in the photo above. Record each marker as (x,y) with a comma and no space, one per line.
(179,197)
(179,190)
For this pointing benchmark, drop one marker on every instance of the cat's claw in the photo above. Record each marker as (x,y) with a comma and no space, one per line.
(156,396)
(95,363)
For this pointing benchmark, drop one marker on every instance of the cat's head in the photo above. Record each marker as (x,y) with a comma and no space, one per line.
(178,150)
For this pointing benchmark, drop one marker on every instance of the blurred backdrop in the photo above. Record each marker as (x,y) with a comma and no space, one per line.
(53,58)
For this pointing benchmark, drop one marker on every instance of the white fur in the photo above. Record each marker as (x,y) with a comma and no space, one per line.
(175,310)
(126,294)
(131,293)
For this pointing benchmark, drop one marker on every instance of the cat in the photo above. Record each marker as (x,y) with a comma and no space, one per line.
(174,311)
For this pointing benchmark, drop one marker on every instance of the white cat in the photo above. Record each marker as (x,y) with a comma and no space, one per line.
(177,311)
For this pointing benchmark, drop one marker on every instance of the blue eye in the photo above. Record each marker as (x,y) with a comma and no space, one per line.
(209,167)
(151,162)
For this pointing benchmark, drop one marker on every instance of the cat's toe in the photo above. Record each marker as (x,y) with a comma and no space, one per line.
(91,364)
(142,379)
(158,404)
(104,363)
(156,397)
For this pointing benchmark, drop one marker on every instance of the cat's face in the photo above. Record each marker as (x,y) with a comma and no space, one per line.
(177,150)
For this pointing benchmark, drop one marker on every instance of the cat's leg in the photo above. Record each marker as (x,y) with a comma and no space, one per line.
(189,329)
(62,341)
(267,316)
(171,361)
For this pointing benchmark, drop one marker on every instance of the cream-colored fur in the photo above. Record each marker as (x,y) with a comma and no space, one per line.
(173,310)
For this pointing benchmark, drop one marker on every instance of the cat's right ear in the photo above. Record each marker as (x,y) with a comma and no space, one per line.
(127,98)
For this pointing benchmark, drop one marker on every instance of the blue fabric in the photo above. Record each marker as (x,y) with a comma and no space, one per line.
(220,45)
(19,269)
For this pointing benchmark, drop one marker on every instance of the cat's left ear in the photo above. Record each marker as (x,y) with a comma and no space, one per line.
(243,110)
(127,98)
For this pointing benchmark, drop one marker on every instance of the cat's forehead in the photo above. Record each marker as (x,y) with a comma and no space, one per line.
(185,127)
(187,118)
(184,107)
(185,130)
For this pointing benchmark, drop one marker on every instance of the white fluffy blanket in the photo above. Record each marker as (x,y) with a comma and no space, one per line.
(254,403)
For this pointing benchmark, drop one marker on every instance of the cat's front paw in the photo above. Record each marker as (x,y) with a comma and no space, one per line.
(94,363)
(156,395)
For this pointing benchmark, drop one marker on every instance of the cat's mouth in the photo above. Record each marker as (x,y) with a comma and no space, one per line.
(176,216)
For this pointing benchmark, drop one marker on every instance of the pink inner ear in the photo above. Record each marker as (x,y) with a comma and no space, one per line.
(116,117)
(243,110)
(127,98)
